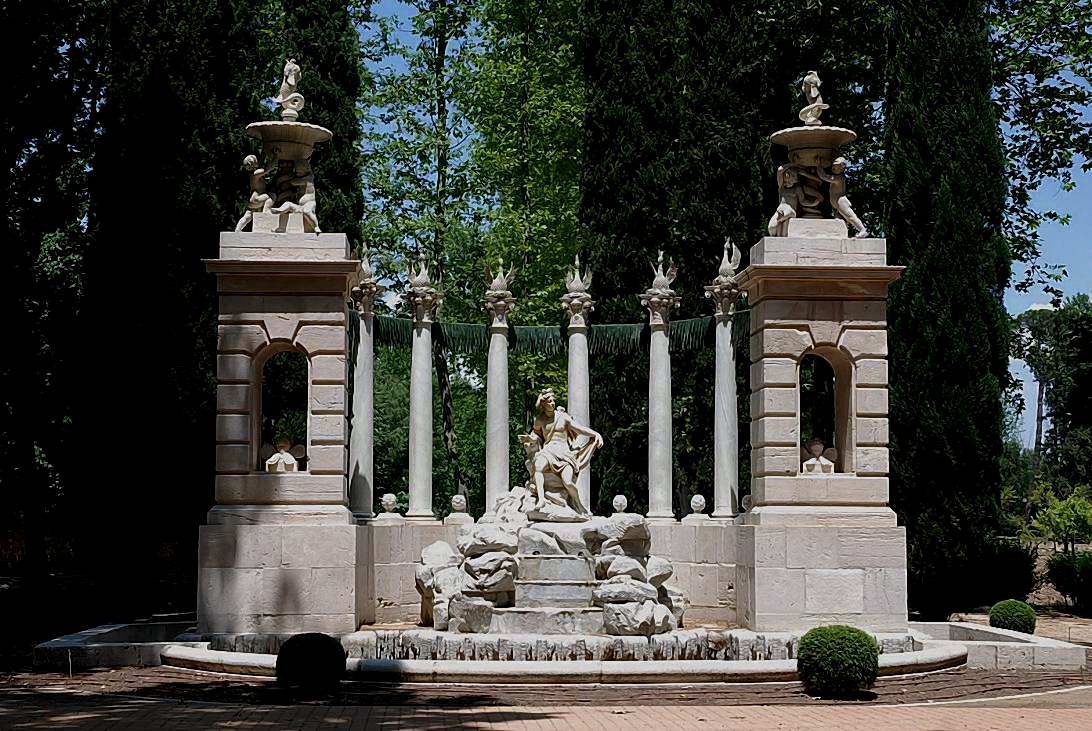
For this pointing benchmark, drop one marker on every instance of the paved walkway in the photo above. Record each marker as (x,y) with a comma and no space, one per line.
(144,698)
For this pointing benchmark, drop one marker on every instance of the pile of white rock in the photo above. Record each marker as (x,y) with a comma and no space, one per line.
(598,570)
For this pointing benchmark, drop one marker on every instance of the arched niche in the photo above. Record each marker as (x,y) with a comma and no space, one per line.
(825,398)
(281,396)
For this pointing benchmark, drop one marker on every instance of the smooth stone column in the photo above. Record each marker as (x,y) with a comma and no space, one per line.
(362,435)
(423,299)
(660,299)
(498,302)
(725,292)
(579,304)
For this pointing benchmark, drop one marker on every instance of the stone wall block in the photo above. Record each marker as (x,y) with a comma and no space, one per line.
(327,429)
(775,461)
(234,367)
(729,545)
(773,402)
(233,458)
(229,590)
(708,546)
(328,369)
(773,372)
(254,306)
(811,548)
(318,339)
(871,461)
(834,591)
(884,591)
(871,372)
(318,546)
(232,398)
(770,547)
(878,547)
(327,399)
(871,401)
(864,343)
(775,430)
(683,538)
(779,590)
(280,326)
(233,428)
(246,339)
(871,431)
(333,590)
(703,585)
(864,312)
(824,332)
(326,459)
(780,342)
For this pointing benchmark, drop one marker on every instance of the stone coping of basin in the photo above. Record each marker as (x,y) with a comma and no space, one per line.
(936,656)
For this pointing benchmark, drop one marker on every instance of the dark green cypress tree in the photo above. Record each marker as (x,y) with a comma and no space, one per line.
(948,328)
(322,35)
(182,81)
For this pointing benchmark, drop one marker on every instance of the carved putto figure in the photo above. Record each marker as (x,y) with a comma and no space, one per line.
(815,106)
(818,461)
(554,462)
(791,199)
(291,101)
(300,185)
(260,201)
(836,179)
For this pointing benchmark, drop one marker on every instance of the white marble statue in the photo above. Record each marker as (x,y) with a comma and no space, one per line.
(697,504)
(260,201)
(619,503)
(836,179)
(810,86)
(284,458)
(818,461)
(389,502)
(791,200)
(291,101)
(302,182)
(458,503)
(553,459)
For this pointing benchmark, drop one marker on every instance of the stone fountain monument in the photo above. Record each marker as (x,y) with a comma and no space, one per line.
(281,552)
(819,544)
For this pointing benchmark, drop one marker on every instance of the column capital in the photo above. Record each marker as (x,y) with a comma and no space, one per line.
(498,299)
(576,299)
(421,296)
(364,293)
(660,299)
(725,290)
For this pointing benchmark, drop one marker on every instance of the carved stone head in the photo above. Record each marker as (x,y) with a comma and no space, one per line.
(389,502)
(458,503)
(620,503)
(697,504)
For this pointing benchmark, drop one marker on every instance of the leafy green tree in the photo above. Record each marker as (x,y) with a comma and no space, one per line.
(948,329)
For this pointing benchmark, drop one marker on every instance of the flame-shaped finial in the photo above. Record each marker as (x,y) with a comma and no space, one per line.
(729,265)
(662,279)
(501,280)
(420,278)
(575,282)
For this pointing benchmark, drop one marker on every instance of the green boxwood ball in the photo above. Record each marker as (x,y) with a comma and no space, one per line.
(837,660)
(1013,614)
(311,660)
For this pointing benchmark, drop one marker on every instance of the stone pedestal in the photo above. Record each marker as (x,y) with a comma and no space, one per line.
(819,549)
(280,552)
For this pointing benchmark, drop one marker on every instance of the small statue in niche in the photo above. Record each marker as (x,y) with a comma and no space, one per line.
(810,86)
(791,199)
(301,186)
(260,201)
(389,502)
(836,179)
(284,457)
(554,462)
(818,461)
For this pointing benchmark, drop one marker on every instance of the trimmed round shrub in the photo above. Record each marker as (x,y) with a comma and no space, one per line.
(837,660)
(1013,614)
(312,660)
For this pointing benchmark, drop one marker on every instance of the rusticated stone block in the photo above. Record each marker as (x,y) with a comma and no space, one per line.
(834,591)
(327,399)
(872,402)
(326,459)
(871,431)
(811,548)
(775,461)
(779,342)
(233,398)
(233,428)
(775,430)
(773,372)
(246,339)
(865,343)
(320,339)
(233,458)
(773,402)
(234,367)
(327,429)
(328,369)
(871,461)
(871,372)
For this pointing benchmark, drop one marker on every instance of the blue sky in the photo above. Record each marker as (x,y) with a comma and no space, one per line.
(1067,245)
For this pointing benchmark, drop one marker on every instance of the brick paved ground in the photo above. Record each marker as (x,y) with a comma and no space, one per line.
(167,698)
